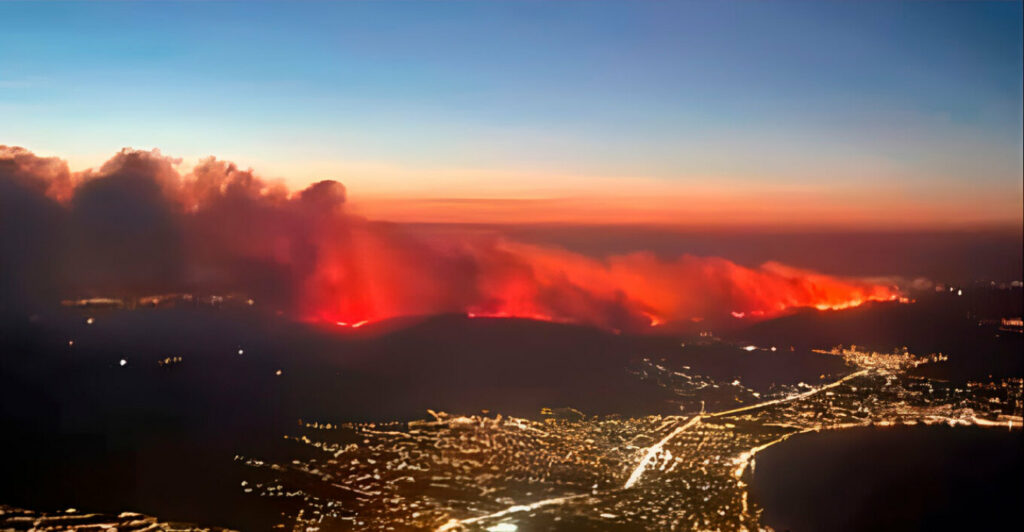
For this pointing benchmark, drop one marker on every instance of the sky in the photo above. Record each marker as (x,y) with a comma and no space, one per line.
(880,115)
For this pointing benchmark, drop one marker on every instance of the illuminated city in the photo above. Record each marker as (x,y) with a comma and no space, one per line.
(668,472)
(511,266)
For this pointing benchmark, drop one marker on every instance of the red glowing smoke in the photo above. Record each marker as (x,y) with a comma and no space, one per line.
(137,224)
(508,279)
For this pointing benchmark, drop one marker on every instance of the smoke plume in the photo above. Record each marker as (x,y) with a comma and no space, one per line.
(137,226)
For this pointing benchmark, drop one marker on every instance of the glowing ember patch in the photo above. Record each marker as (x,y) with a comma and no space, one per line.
(351,325)
(841,306)
(655,321)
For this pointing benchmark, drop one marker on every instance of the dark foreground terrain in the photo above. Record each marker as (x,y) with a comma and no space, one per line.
(149,410)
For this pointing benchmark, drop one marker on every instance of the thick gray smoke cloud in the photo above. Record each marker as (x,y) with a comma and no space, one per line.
(137,226)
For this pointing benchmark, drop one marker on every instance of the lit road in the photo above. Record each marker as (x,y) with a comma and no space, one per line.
(651,452)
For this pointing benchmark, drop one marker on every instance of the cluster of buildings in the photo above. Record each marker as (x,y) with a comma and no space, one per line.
(19,519)
(900,359)
(489,472)
(161,301)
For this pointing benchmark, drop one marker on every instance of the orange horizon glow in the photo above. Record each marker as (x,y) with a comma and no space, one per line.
(675,211)
(388,192)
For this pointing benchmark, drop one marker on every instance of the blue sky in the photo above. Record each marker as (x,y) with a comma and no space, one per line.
(524,99)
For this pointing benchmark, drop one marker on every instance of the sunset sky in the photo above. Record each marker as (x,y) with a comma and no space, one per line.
(876,115)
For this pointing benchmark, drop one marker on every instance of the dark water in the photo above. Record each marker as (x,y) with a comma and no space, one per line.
(904,478)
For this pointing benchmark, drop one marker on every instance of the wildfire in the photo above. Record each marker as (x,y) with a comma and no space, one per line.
(138,224)
(355,325)
(514,280)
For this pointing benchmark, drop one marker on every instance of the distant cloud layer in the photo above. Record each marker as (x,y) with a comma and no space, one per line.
(137,226)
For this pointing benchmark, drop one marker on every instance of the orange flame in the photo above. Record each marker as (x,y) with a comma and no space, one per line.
(503,279)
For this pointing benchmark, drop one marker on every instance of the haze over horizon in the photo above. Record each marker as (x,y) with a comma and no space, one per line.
(882,116)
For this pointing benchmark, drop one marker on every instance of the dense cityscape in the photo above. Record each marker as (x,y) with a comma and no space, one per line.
(685,472)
